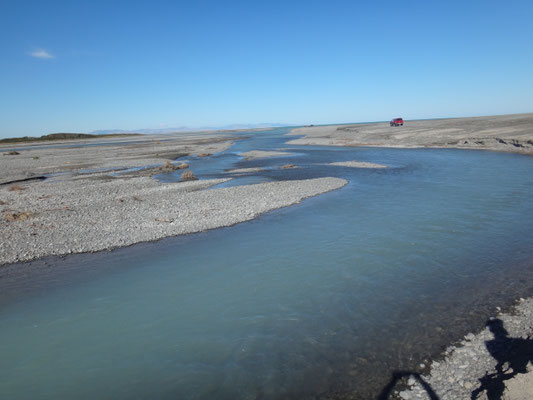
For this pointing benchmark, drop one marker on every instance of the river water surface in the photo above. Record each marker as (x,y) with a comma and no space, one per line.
(320,300)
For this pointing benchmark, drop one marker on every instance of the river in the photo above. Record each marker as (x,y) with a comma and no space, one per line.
(324,299)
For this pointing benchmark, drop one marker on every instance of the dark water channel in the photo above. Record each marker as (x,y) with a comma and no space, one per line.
(320,300)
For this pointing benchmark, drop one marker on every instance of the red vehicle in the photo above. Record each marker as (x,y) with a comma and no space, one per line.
(397,122)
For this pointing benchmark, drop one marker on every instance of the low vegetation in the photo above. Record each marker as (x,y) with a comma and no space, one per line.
(188,176)
(61,136)
(169,167)
(17,216)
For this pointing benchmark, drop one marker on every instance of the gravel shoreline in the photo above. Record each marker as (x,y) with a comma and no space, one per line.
(510,133)
(85,215)
(495,363)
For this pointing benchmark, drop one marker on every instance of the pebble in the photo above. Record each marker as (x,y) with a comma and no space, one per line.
(405,395)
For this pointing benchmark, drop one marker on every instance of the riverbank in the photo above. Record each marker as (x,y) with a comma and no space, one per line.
(495,363)
(510,133)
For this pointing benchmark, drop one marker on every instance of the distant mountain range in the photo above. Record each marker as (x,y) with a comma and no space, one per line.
(189,129)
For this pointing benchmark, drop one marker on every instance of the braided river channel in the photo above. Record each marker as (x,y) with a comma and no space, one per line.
(321,300)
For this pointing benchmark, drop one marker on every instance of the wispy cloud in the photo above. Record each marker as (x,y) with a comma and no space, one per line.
(41,53)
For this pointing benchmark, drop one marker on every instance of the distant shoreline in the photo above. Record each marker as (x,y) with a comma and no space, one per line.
(58,137)
(63,136)
(506,133)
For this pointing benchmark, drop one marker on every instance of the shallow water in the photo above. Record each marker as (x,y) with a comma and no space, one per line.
(323,299)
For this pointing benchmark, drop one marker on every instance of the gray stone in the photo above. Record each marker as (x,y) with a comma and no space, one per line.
(405,395)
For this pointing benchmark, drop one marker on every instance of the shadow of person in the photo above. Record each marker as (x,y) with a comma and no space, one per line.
(398,376)
(512,356)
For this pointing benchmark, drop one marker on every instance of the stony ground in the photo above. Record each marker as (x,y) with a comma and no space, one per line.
(512,133)
(492,364)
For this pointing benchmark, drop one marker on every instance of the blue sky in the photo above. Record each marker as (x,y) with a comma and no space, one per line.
(78,66)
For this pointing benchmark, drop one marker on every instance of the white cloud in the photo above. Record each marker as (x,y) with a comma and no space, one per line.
(41,54)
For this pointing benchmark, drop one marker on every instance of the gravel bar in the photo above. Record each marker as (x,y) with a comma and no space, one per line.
(99,212)
(245,170)
(255,154)
(357,164)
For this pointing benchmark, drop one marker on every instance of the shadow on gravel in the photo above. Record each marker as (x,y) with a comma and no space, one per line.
(512,354)
(400,376)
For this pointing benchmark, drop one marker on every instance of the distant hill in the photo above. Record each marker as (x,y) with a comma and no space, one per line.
(60,136)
